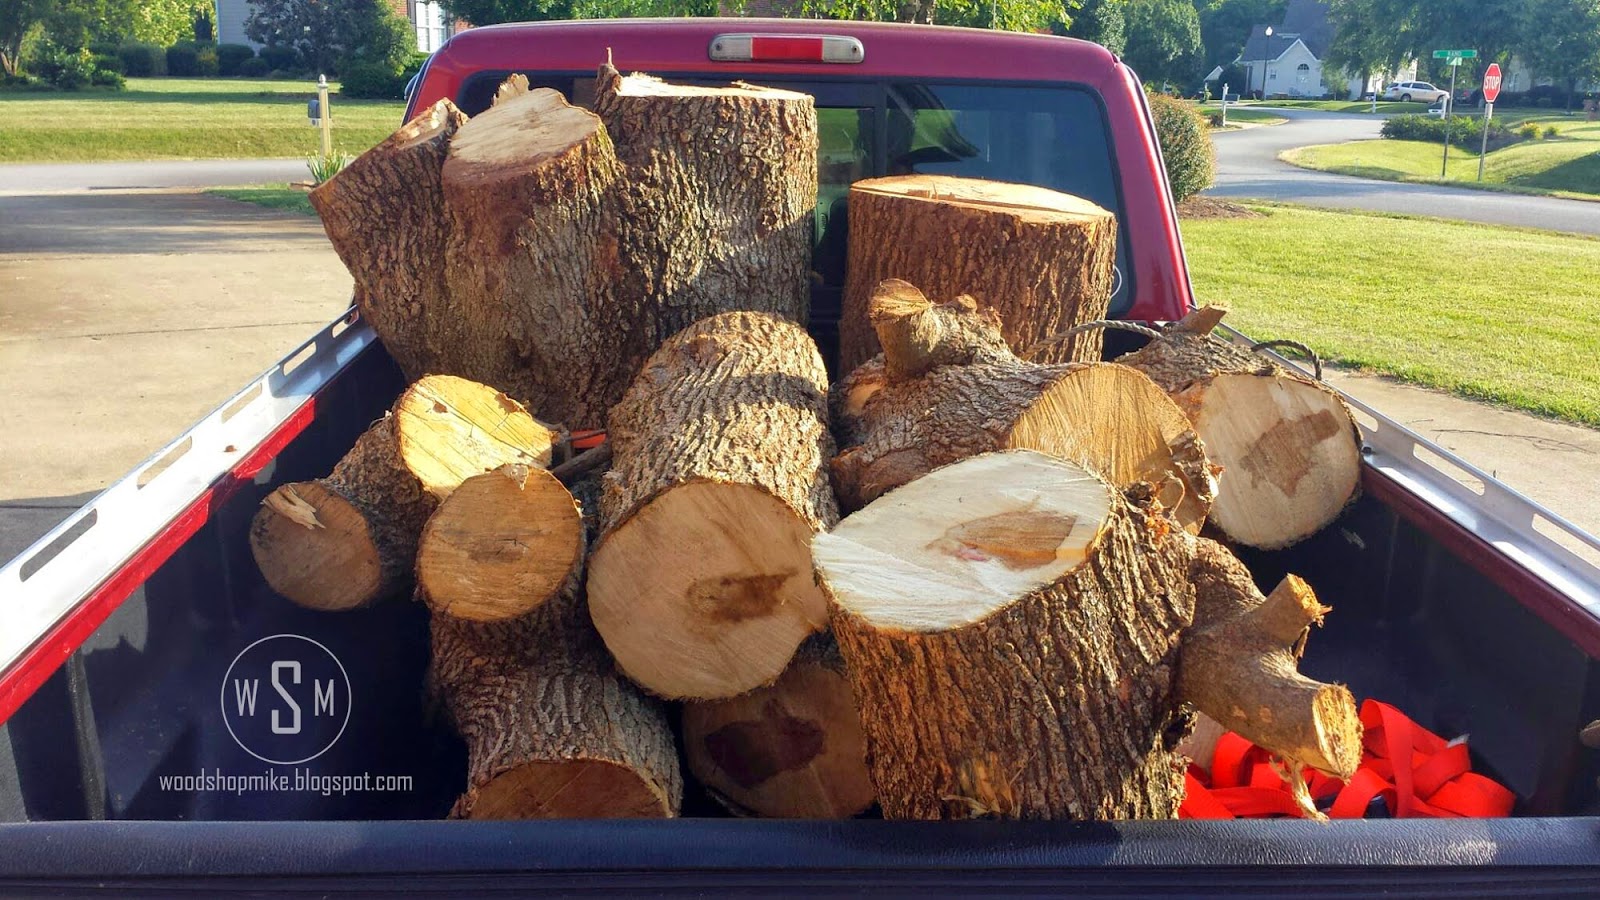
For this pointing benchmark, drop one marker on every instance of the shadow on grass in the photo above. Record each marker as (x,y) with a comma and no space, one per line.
(1581,174)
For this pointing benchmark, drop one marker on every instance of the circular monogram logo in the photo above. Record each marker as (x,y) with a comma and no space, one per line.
(286,699)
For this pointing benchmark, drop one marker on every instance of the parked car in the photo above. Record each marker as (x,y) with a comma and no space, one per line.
(1407,91)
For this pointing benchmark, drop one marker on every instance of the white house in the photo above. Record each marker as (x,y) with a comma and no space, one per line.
(1285,60)
(429,21)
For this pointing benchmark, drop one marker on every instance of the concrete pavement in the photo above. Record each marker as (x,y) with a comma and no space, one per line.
(124,317)
(37,178)
(1248,166)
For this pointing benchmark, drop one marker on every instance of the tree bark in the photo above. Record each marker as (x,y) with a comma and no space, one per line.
(385,216)
(1041,259)
(968,394)
(793,750)
(1010,625)
(501,545)
(349,539)
(551,730)
(1240,665)
(1288,446)
(701,584)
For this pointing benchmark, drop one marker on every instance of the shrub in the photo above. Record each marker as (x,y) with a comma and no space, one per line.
(1544,103)
(1215,119)
(283,75)
(67,70)
(254,67)
(183,60)
(231,56)
(280,57)
(322,168)
(103,48)
(142,60)
(1465,131)
(108,78)
(1528,131)
(107,63)
(1185,146)
(372,81)
(1550,132)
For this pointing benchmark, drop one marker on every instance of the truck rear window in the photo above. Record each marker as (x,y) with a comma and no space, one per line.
(1051,135)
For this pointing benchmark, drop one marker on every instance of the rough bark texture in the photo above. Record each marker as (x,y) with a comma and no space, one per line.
(551,730)
(1288,446)
(1043,260)
(502,544)
(792,750)
(385,216)
(1239,664)
(722,186)
(350,539)
(718,481)
(1054,706)
(974,396)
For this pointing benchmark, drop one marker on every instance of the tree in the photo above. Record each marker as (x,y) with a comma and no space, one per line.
(162,22)
(1163,40)
(17,18)
(1225,25)
(1101,21)
(330,34)
(494,12)
(1564,40)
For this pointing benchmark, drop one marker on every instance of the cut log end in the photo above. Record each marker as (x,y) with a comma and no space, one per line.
(314,548)
(639,85)
(1290,458)
(1028,202)
(715,595)
(570,789)
(448,427)
(793,750)
(945,552)
(504,141)
(500,546)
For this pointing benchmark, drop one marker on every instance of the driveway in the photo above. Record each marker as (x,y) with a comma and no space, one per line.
(124,317)
(1248,166)
(34,178)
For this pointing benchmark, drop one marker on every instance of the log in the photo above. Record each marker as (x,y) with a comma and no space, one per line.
(722,192)
(968,394)
(1240,665)
(552,731)
(793,750)
(1043,260)
(1288,446)
(501,545)
(349,539)
(701,583)
(385,216)
(1010,625)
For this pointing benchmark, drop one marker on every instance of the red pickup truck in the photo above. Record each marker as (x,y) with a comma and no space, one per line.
(1457,600)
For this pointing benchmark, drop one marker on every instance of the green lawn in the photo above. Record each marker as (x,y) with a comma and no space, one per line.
(183,118)
(1506,315)
(1568,165)
(1235,114)
(272,196)
(1357,106)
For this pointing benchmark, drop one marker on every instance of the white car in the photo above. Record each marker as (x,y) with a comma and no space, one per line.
(1407,91)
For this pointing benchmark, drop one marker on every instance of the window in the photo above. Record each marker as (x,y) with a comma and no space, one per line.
(1302,68)
(430,20)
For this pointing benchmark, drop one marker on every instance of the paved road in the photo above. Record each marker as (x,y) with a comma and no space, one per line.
(34,178)
(1248,166)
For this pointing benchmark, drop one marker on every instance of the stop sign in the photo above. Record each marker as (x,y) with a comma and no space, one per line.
(1491,82)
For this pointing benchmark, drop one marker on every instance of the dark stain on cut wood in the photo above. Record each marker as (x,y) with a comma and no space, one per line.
(753,751)
(1282,455)
(734,599)
(1019,540)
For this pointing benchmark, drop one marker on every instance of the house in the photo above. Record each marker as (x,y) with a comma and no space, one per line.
(1285,60)
(427,19)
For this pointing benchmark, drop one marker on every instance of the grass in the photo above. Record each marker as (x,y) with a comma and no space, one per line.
(272,196)
(1506,315)
(1565,166)
(183,118)
(1385,107)
(1253,116)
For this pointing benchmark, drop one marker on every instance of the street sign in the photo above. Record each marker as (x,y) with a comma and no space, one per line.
(1455,54)
(1491,82)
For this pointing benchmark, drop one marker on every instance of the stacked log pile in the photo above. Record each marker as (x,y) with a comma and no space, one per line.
(961,582)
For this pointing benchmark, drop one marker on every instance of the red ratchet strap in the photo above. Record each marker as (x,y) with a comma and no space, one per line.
(588,440)
(1415,772)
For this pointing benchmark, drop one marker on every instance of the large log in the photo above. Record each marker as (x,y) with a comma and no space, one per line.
(349,539)
(947,388)
(552,731)
(385,216)
(1289,449)
(1010,625)
(1042,259)
(701,584)
(501,545)
(792,750)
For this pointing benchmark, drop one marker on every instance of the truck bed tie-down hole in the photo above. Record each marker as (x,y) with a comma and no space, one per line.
(1447,468)
(152,471)
(244,400)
